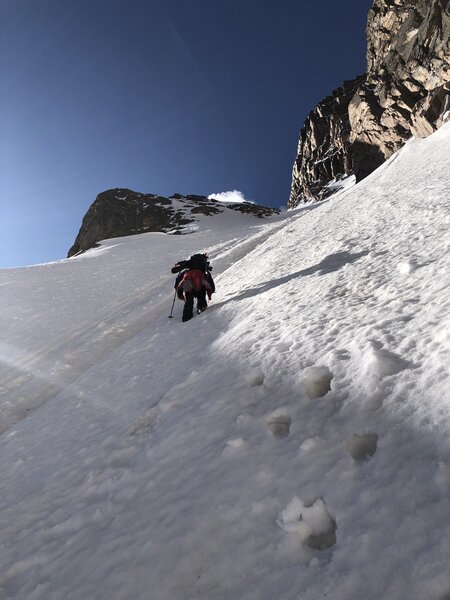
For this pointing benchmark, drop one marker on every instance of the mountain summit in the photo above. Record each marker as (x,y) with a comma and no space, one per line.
(119,212)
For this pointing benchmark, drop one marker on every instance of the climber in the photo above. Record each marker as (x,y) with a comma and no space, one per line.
(194,281)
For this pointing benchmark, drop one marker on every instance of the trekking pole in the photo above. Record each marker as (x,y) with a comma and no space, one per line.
(173,304)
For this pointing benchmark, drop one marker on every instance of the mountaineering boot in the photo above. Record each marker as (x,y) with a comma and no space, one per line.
(201,301)
(188,307)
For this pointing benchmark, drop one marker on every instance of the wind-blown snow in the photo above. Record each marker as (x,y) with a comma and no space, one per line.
(231,196)
(146,458)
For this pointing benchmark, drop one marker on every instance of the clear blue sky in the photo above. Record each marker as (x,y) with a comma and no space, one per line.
(159,96)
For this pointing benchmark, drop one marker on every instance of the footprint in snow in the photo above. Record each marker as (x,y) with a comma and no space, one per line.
(284,346)
(317,381)
(341,354)
(279,425)
(362,447)
(255,377)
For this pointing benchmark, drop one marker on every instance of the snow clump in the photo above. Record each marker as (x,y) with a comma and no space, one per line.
(313,524)
(381,362)
(407,266)
(233,447)
(254,377)
(317,381)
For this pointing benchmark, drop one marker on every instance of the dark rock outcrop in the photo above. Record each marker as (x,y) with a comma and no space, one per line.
(324,150)
(405,92)
(121,212)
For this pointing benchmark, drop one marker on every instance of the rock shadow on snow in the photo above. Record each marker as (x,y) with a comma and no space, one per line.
(366,158)
(329,264)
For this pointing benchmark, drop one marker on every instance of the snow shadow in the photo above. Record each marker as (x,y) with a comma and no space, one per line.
(329,264)
(366,159)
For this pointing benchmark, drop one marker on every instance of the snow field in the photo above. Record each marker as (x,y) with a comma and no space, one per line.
(291,442)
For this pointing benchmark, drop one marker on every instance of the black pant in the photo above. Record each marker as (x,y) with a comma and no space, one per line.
(189,303)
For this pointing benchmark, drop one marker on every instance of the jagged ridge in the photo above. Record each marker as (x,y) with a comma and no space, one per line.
(121,212)
(405,92)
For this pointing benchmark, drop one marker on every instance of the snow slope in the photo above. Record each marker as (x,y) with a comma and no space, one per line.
(143,458)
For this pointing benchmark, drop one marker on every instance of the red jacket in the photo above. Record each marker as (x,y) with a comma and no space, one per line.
(193,281)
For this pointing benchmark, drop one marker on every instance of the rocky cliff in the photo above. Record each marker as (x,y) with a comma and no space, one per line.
(121,212)
(405,92)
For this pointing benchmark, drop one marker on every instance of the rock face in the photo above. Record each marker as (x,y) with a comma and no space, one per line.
(120,212)
(405,92)
(324,150)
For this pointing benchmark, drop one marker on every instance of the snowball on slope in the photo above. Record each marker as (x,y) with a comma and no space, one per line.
(308,522)
(317,381)
(406,267)
(254,377)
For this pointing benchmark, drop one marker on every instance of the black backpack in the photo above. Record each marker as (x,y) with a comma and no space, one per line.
(199,261)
